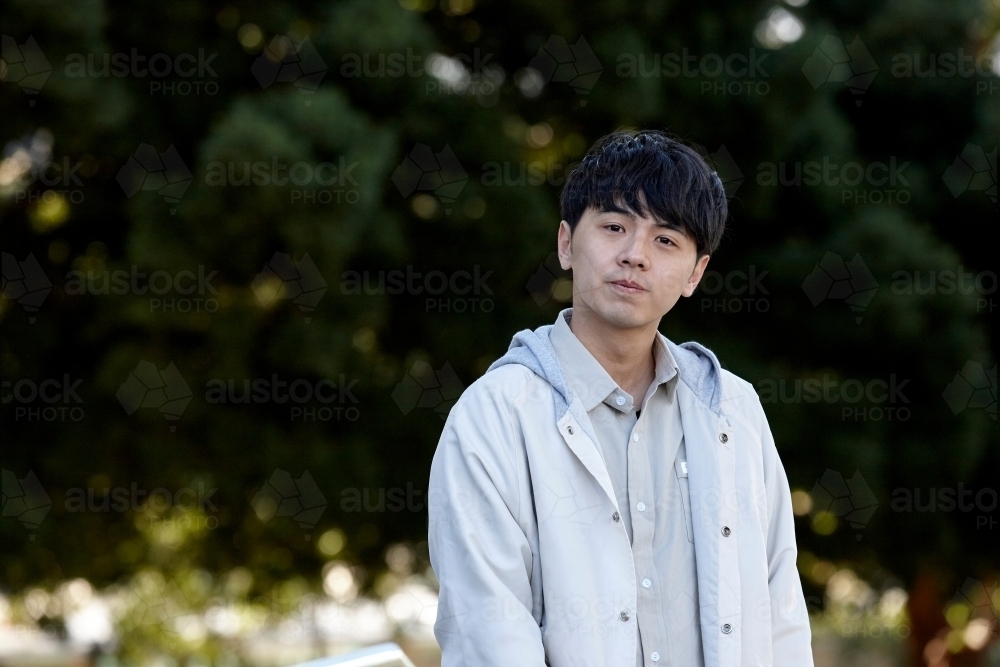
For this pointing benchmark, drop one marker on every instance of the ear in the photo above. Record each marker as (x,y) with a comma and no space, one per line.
(564,246)
(699,271)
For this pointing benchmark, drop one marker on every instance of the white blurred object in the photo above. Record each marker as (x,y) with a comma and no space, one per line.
(387,654)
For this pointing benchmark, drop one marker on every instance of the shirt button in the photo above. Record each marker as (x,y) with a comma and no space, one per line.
(726,629)
(641,506)
(620,400)
(646,583)
(726,531)
(635,437)
(569,429)
(623,615)
(615,516)
(723,437)
(655,657)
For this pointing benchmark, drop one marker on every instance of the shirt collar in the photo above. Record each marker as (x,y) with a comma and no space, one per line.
(591,382)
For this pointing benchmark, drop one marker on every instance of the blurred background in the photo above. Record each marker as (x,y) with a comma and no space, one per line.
(254,251)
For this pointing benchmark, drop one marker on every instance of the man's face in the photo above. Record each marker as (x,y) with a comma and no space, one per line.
(629,271)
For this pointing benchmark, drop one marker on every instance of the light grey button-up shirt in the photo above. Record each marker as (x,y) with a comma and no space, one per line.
(643,449)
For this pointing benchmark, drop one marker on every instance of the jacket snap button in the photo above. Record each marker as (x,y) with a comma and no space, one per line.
(615,516)
(569,429)
(726,629)
(623,615)
(724,438)
(726,531)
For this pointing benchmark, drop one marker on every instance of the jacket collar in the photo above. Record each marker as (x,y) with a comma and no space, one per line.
(697,366)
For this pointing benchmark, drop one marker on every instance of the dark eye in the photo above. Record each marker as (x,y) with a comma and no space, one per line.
(668,240)
(615,225)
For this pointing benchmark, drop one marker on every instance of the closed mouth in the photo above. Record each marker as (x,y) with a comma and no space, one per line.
(628,284)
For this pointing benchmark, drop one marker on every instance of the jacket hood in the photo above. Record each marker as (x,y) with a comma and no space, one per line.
(698,367)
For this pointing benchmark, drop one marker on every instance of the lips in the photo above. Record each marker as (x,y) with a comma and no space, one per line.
(629,285)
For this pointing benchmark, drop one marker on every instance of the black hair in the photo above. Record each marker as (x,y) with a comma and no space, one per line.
(649,172)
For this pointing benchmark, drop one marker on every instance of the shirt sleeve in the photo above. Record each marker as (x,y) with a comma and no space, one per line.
(791,634)
(478,538)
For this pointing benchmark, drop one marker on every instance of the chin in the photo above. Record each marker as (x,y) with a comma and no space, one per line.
(623,315)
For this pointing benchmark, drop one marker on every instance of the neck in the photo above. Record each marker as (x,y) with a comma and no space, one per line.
(626,354)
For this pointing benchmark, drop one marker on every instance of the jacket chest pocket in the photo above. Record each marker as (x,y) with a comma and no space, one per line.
(681,472)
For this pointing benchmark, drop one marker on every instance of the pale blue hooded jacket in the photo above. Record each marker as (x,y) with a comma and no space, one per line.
(534,571)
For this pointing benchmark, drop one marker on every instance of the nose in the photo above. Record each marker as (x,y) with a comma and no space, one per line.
(634,253)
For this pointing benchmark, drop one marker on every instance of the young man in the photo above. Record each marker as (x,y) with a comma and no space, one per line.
(601,496)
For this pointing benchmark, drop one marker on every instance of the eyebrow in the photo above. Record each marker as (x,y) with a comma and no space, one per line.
(656,221)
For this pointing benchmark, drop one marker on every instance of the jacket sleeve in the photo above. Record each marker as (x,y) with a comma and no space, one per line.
(479,522)
(791,634)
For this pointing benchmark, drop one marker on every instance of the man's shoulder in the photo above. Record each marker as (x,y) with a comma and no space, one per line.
(502,388)
(740,399)
(700,363)
(735,384)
